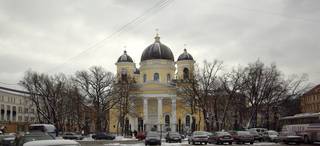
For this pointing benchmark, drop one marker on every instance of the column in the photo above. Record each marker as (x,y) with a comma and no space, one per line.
(145,112)
(159,113)
(11,113)
(174,114)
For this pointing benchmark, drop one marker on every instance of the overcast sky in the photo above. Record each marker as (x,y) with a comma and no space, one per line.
(66,36)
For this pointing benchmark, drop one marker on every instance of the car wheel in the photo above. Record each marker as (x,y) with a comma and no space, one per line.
(251,142)
(193,142)
(205,143)
(305,139)
(188,142)
(230,143)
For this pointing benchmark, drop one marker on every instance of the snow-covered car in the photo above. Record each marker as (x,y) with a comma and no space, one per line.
(271,135)
(52,143)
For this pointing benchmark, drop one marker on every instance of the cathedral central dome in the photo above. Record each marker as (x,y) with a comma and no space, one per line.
(157,50)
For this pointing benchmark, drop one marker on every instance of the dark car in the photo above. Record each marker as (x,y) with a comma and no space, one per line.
(221,138)
(272,136)
(20,140)
(103,135)
(152,138)
(173,137)
(72,136)
(7,140)
(241,137)
(198,137)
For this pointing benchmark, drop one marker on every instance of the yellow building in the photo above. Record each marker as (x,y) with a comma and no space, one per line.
(310,101)
(154,99)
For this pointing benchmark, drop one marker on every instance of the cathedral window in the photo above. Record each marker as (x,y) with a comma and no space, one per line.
(167,120)
(144,78)
(168,77)
(185,73)
(156,77)
(188,120)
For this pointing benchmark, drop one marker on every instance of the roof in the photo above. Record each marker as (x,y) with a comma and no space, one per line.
(51,143)
(185,56)
(125,57)
(314,90)
(302,115)
(157,50)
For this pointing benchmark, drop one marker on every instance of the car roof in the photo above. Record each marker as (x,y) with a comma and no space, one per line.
(50,142)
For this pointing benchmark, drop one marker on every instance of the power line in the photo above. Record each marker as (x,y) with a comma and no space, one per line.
(158,6)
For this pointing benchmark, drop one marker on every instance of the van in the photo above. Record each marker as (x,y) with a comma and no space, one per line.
(47,128)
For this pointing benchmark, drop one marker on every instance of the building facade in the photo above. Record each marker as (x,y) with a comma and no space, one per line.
(310,101)
(17,110)
(154,97)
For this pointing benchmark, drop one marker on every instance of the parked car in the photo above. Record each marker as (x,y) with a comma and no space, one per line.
(103,135)
(48,128)
(173,137)
(220,137)
(198,137)
(72,136)
(271,135)
(52,143)
(141,136)
(152,138)
(241,137)
(7,140)
(288,138)
(34,136)
(257,136)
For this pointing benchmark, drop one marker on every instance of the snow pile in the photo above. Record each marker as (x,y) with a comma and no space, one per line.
(121,138)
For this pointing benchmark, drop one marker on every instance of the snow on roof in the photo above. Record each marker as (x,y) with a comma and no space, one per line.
(301,115)
(51,143)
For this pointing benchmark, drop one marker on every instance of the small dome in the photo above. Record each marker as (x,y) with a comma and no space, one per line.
(157,50)
(125,58)
(185,56)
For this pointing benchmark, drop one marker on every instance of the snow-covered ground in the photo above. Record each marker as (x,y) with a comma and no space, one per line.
(142,144)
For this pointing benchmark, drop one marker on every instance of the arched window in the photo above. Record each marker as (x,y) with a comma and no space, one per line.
(185,73)
(168,77)
(167,120)
(144,78)
(123,74)
(188,120)
(156,77)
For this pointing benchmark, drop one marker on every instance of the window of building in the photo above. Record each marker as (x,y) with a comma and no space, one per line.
(167,120)
(187,120)
(144,78)
(156,77)
(26,110)
(168,77)
(185,73)
(20,109)
(26,118)
(19,118)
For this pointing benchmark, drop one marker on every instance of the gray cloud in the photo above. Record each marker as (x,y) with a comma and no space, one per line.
(44,35)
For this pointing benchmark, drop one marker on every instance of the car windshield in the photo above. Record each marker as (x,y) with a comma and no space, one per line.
(174,134)
(200,133)
(273,133)
(243,133)
(222,133)
(153,134)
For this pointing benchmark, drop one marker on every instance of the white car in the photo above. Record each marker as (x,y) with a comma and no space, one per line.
(52,143)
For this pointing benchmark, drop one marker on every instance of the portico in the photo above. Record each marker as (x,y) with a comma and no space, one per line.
(150,120)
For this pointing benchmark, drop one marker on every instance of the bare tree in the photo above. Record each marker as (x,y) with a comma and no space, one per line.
(48,94)
(97,86)
(200,90)
(123,87)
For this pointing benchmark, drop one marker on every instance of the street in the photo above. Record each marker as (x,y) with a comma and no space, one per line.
(185,143)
